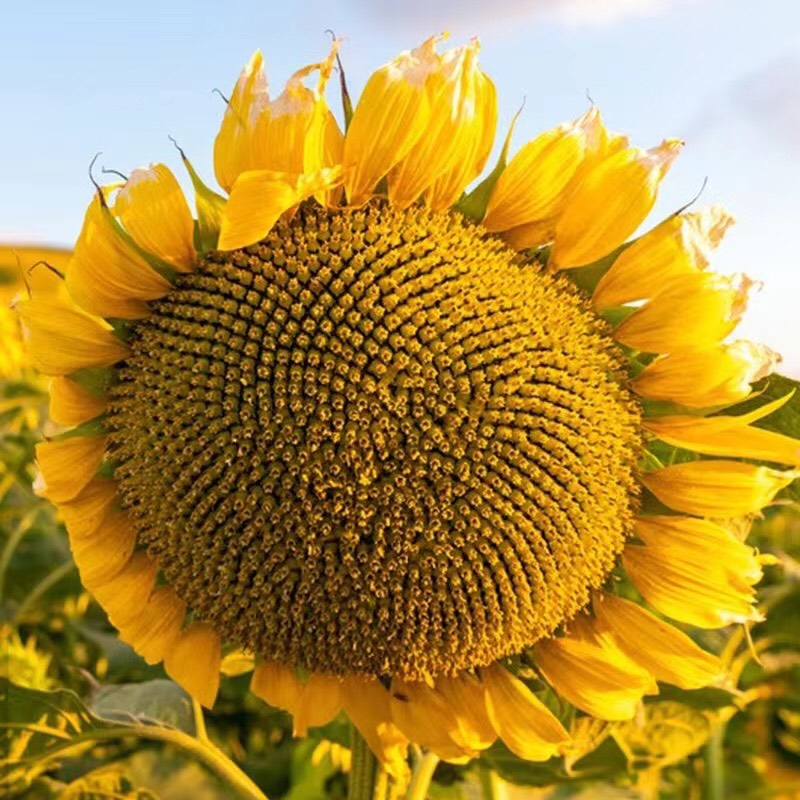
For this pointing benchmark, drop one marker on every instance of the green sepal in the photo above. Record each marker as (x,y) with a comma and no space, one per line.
(617,315)
(210,209)
(121,328)
(158,265)
(473,206)
(96,381)
(93,427)
(587,277)
(347,103)
(786,419)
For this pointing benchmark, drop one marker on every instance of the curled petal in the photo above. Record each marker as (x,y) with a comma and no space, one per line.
(424,716)
(694,310)
(154,211)
(392,114)
(694,571)
(667,653)
(194,660)
(123,595)
(599,680)
(520,719)
(154,631)
(236,147)
(718,489)
(610,203)
(532,187)
(681,244)
(87,511)
(458,103)
(319,702)
(67,465)
(259,198)
(728,435)
(278,684)
(107,276)
(466,697)
(709,376)
(62,340)
(103,554)
(72,405)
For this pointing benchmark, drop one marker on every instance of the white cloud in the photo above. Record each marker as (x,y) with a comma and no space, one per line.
(422,16)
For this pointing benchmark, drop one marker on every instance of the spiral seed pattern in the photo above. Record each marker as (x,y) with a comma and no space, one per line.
(376,442)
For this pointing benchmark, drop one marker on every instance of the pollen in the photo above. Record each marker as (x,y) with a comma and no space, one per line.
(377,442)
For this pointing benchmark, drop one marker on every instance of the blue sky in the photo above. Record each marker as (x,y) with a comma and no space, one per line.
(82,77)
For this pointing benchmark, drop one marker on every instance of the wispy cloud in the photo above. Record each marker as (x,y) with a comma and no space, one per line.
(427,15)
(767,100)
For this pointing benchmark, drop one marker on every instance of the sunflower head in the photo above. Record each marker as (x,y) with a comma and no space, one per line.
(364,426)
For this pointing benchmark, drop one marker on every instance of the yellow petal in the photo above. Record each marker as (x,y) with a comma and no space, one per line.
(591,677)
(319,703)
(237,662)
(278,684)
(294,127)
(423,715)
(669,654)
(123,595)
(694,571)
(71,405)
(694,310)
(259,198)
(85,513)
(194,661)
(236,147)
(728,436)
(476,143)
(532,187)
(154,211)
(156,628)
(62,340)
(681,244)
(392,114)
(466,698)
(107,277)
(521,720)
(609,204)
(101,555)
(455,130)
(717,488)
(366,703)
(704,377)
(67,465)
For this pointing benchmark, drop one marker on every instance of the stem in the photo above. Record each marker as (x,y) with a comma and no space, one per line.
(421,779)
(46,583)
(715,764)
(11,545)
(363,768)
(208,754)
(199,722)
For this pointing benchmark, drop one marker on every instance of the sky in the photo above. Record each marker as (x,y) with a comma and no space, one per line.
(118,78)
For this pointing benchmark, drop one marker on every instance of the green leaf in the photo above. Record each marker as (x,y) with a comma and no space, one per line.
(153,702)
(786,419)
(710,698)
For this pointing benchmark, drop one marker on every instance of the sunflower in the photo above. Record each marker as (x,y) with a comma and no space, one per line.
(374,432)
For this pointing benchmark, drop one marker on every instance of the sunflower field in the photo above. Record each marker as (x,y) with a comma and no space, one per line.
(390,464)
